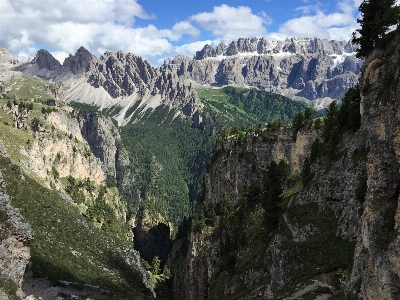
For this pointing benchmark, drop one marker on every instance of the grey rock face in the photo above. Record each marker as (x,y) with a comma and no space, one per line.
(103,139)
(316,68)
(45,60)
(121,74)
(378,241)
(208,51)
(199,264)
(15,236)
(238,171)
(79,63)
(309,68)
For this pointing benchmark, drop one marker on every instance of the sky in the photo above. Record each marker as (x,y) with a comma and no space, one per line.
(158,29)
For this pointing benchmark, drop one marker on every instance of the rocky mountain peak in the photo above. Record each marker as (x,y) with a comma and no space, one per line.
(121,74)
(208,51)
(7,58)
(263,46)
(203,53)
(79,63)
(180,58)
(46,61)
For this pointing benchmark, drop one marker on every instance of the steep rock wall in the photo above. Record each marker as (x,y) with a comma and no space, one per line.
(197,259)
(376,261)
(15,237)
(364,227)
(235,163)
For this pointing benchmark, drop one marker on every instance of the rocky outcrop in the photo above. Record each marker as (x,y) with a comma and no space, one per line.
(115,80)
(45,60)
(80,63)
(208,51)
(15,237)
(6,58)
(121,74)
(258,151)
(313,69)
(103,139)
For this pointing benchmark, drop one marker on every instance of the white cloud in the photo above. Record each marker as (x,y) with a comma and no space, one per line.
(316,23)
(64,26)
(232,22)
(81,11)
(179,29)
(99,25)
(191,49)
(59,55)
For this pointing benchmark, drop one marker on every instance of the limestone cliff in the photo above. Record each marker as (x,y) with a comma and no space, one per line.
(239,162)
(71,151)
(376,260)
(313,69)
(339,227)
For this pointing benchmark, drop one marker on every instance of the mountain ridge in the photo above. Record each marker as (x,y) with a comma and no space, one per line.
(316,71)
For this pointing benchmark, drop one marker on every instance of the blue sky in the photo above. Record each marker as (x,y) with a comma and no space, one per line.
(157,29)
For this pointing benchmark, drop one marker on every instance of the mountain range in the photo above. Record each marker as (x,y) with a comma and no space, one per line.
(313,70)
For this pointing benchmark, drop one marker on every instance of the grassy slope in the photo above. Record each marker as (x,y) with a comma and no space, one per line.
(28,88)
(66,246)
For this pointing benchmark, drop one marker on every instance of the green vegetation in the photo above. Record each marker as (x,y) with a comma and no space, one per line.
(29,88)
(98,211)
(377,18)
(256,105)
(66,246)
(347,118)
(304,119)
(160,281)
(264,106)
(237,227)
(273,193)
(171,173)
(9,288)
(323,252)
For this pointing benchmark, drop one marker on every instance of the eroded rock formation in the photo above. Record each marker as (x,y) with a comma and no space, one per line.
(15,237)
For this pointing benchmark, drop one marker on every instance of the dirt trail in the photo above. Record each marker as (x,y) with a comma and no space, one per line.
(289,224)
(311,287)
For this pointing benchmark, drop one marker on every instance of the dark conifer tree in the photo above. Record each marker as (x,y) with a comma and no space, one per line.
(377,16)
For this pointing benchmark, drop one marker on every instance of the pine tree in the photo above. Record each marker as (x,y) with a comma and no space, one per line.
(155,265)
(377,18)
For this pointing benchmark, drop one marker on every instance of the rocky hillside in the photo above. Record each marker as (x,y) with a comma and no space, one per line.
(313,69)
(60,166)
(265,231)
